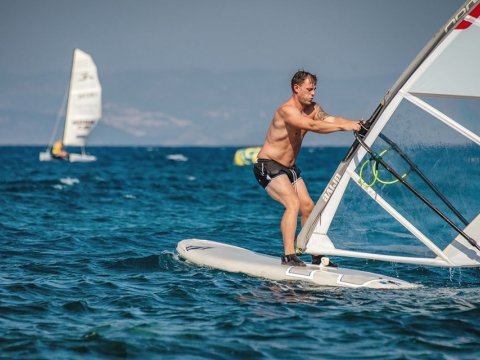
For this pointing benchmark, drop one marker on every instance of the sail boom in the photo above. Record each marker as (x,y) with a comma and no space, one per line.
(393,258)
(457,254)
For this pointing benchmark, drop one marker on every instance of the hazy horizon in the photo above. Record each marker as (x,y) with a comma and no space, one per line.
(204,73)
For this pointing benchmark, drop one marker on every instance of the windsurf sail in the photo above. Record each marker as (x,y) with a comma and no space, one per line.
(407,190)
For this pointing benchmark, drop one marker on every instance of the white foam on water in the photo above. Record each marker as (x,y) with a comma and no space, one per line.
(177,157)
(69,181)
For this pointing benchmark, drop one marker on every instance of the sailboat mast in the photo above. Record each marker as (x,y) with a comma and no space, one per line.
(57,122)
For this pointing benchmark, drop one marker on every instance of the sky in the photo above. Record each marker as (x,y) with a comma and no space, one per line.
(204,72)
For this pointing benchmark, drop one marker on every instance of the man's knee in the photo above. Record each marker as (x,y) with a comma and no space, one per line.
(293,204)
(307,208)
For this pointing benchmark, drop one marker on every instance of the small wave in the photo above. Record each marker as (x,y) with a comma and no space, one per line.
(77,306)
(177,157)
(32,308)
(69,181)
(166,261)
(94,342)
(474,160)
(143,263)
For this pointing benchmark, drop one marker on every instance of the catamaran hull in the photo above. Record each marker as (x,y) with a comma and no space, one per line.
(81,158)
(46,156)
(236,259)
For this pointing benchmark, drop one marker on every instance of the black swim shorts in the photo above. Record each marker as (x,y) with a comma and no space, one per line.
(265,170)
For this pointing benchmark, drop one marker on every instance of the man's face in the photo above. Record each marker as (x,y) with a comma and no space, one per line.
(306,91)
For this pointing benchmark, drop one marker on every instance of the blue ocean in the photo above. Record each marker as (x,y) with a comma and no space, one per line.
(89,270)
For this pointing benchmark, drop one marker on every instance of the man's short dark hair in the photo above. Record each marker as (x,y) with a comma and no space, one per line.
(300,76)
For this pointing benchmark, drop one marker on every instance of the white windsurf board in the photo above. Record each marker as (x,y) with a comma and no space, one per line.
(236,259)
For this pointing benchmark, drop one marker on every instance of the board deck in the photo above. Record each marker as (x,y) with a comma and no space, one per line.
(236,259)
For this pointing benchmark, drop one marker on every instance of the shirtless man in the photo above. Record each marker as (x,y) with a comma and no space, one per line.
(291,122)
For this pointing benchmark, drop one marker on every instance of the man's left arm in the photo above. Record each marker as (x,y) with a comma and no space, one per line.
(322,115)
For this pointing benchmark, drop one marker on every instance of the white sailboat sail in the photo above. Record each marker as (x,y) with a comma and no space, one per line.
(413,172)
(84,106)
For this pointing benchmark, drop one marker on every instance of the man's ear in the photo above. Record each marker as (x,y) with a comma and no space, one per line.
(295,88)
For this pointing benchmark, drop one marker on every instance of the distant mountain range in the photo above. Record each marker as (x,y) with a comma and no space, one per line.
(178,107)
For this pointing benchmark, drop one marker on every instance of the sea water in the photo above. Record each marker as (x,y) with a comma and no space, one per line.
(89,270)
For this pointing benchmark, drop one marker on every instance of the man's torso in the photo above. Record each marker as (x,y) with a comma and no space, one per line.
(283,141)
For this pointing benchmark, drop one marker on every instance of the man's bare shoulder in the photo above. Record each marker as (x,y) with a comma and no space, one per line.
(287,109)
(318,112)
